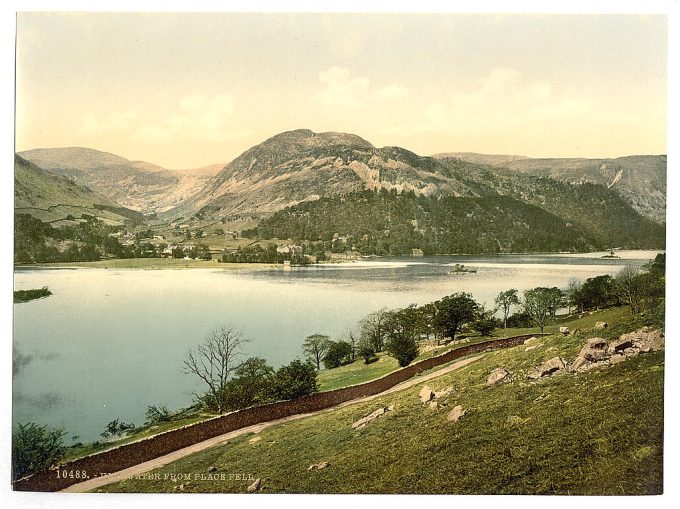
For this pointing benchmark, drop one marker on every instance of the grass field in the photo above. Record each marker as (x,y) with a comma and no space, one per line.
(597,432)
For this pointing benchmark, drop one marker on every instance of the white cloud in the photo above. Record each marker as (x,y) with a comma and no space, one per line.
(504,103)
(343,89)
(196,118)
(93,127)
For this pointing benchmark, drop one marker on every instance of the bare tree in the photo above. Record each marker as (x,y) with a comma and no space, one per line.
(215,359)
(316,346)
(628,287)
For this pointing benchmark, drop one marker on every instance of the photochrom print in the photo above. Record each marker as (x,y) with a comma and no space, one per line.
(339,253)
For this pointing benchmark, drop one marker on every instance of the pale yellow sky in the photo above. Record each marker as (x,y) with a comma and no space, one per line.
(187,90)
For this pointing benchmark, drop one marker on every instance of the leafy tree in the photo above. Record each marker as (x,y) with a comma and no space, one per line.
(541,304)
(453,312)
(520,319)
(295,380)
(597,292)
(367,352)
(338,353)
(486,323)
(35,448)
(573,295)
(504,301)
(213,361)
(253,384)
(316,346)
(401,329)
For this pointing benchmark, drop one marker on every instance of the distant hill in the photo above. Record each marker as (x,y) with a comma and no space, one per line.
(138,185)
(52,198)
(473,157)
(301,165)
(640,180)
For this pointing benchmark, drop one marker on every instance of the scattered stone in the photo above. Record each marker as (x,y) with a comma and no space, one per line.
(564,331)
(374,415)
(530,340)
(617,359)
(254,440)
(212,469)
(547,368)
(497,375)
(575,332)
(455,414)
(256,486)
(425,394)
(530,347)
(433,405)
(601,325)
(319,466)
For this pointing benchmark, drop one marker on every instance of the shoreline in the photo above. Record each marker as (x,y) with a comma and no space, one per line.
(182,264)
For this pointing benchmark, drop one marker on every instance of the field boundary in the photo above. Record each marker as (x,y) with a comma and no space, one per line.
(133,453)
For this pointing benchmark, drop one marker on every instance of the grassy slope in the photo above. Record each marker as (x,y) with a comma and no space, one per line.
(598,432)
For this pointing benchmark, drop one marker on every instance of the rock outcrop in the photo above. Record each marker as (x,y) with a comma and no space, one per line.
(371,417)
(497,375)
(455,414)
(548,368)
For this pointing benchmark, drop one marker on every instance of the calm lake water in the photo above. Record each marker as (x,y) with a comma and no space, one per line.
(109,343)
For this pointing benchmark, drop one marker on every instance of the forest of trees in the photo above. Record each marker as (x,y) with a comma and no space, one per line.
(391,223)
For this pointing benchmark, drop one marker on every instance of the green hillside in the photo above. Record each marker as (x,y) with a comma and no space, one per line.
(553,216)
(595,432)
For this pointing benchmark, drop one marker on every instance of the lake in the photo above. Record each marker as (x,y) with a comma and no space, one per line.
(108,343)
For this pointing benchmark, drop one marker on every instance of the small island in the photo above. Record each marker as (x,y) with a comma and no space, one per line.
(611,255)
(21,296)
(460,269)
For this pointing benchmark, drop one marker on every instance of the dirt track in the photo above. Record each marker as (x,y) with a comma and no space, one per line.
(181,453)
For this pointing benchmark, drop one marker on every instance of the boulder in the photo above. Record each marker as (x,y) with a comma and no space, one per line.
(497,375)
(564,331)
(601,325)
(212,469)
(319,466)
(370,417)
(617,359)
(595,350)
(433,405)
(619,345)
(547,368)
(256,486)
(645,339)
(455,414)
(426,394)
(530,340)
(579,362)
(254,440)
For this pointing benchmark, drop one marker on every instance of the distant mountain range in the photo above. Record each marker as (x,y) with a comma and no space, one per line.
(54,198)
(640,180)
(137,185)
(599,201)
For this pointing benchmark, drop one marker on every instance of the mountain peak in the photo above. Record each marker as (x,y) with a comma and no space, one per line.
(310,139)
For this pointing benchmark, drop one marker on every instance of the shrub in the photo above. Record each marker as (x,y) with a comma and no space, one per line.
(35,448)
(295,380)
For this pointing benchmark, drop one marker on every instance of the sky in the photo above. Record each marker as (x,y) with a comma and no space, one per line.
(187,90)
